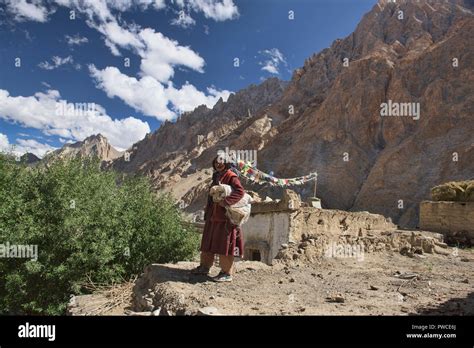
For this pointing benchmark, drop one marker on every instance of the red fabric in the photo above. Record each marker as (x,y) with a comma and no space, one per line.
(220,236)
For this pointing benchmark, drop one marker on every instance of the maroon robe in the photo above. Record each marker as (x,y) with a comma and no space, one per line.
(220,236)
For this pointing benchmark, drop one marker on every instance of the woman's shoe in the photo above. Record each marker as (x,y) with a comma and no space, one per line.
(222,277)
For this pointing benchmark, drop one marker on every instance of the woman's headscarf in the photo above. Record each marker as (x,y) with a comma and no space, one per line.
(228,165)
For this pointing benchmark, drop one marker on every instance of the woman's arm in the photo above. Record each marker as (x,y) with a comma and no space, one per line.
(210,202)
(237,191)
(208,208)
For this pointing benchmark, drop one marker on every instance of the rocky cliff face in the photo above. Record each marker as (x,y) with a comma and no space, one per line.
(328,117)
(93,146)
(365,161)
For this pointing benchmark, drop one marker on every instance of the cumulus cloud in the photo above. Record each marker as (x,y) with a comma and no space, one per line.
(187,98)
(145,95)
(41,111)
(162,54)
(23,146)
(117,36)
(151,97)
(273,58)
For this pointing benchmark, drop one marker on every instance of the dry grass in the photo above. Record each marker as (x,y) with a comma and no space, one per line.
(457,191)
(114,295)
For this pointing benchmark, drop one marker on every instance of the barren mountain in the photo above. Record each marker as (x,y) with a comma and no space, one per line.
(404,53)
(93,146)
(328,117)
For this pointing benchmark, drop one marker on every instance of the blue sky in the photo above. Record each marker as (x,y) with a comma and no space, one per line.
(182,53)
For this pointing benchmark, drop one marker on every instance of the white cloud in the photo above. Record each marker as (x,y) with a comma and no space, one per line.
(64,141)
(187,98)
(159,57)
(157,4)
(23,146)
(145,95)
(125,5)
(57,62)
(219,10)
(33,146)
(271,68)
(162,54)
(152,98)
(33,10)
(145,4)
(115,35)
(273,59)
(184,20)
(40,111)
(93,9)
(101,10)
(76,40)
(4,143)
(159,53)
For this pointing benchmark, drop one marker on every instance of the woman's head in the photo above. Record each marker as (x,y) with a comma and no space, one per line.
(219,164)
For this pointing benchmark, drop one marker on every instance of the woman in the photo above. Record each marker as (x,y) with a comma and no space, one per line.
(220,236)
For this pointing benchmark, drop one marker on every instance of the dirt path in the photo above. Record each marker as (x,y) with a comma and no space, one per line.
(384,283)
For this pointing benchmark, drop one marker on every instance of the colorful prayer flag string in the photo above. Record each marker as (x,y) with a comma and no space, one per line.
(250,172)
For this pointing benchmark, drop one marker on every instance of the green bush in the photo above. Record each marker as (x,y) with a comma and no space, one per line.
(87,224)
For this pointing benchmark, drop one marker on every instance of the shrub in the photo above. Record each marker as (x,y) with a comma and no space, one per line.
(88,224)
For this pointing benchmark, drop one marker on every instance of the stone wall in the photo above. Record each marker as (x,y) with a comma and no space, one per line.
(276,223)
(308,221)
(455,220)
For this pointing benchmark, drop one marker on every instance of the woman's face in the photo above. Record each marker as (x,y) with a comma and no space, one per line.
(219,164)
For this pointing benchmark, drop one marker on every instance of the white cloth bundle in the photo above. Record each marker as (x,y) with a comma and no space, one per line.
(219,192)
(237,213)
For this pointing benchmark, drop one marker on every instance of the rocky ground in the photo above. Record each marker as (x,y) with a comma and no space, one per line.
(382,283)
(386,283)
